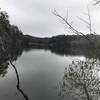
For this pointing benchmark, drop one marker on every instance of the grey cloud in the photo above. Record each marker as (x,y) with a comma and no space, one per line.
(35,16)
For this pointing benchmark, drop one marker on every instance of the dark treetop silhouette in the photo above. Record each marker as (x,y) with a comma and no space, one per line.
(5,64)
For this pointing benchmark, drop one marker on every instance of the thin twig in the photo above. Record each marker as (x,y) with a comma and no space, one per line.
(74,30)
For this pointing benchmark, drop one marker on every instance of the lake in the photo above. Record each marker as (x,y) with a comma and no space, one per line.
(40,71)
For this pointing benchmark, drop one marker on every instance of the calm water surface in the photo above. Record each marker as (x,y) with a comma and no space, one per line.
(40,71)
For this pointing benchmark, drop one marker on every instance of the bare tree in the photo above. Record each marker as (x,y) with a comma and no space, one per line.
(81,80)
(72,29)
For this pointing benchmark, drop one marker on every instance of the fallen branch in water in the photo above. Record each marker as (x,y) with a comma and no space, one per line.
(18,82)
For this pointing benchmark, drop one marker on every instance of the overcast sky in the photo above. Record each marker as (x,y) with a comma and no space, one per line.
(35,17)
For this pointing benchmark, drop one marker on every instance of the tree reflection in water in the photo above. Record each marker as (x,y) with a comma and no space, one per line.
(7,59)
(81,80)
(3,68)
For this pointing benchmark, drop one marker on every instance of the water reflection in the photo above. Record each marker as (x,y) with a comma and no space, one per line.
(88,53)
(3,68)
(15,53)
(7,59)
(81,80)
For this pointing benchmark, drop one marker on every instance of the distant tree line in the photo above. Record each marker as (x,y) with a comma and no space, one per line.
(11,37)
(63,42)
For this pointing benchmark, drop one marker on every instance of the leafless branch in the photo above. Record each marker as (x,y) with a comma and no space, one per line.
(70,26)
(74,30)
(18,82)
(88,22)
(97,2)
(89,18)
(81,80)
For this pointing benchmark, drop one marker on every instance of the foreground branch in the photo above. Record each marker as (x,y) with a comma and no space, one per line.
(97,2)
(18,82)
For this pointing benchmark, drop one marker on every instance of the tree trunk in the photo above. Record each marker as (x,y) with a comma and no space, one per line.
(86,92)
